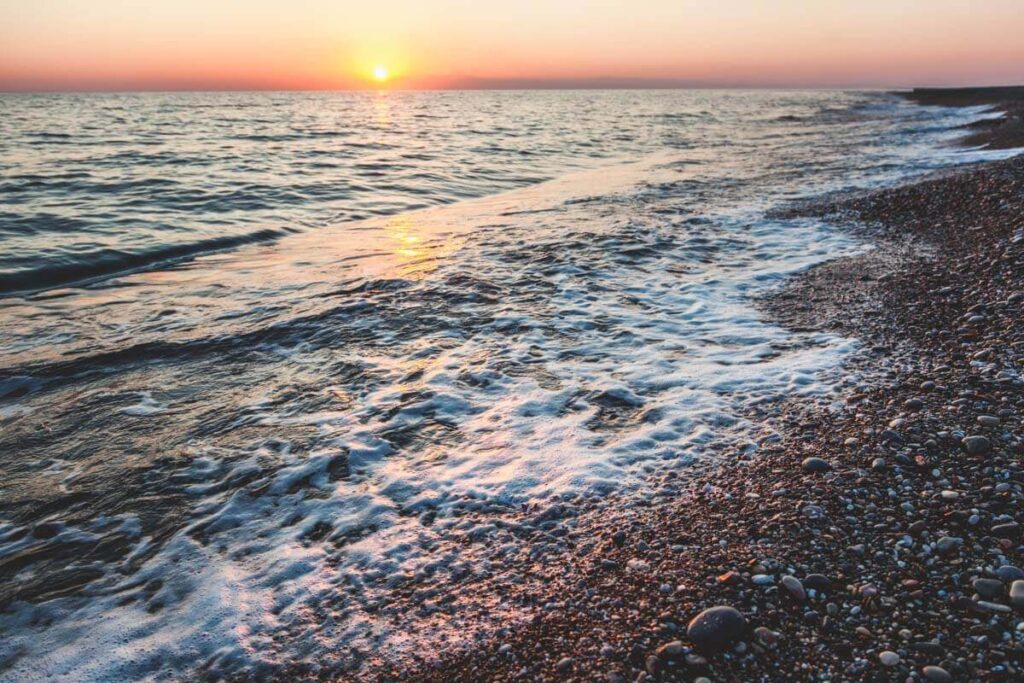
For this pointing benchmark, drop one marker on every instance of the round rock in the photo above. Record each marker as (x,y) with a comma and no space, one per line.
(976,445)
(794,588)
(936,674)
(988,588)
(1008,573)
(815,465)
(888,658)
(818,582)
(1017,593)
(716,627)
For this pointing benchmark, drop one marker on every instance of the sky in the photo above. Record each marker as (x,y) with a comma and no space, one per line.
(344,44)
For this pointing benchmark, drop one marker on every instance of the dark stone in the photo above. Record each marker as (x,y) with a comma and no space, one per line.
(1009,573)
(976,445)
(716,627)
(988,588)
(815,465)
(1008,530)
(817,582)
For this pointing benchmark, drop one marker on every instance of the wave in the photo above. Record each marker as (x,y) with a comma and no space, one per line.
(97,265)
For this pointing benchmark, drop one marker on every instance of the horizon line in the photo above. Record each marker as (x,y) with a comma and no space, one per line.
(468,84)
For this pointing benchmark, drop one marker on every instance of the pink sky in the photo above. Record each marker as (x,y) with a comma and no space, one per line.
(314,44)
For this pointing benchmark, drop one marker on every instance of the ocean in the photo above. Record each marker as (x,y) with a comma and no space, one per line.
(269,361)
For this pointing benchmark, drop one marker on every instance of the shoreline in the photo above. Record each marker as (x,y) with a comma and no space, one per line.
(1005,132)
(900,543)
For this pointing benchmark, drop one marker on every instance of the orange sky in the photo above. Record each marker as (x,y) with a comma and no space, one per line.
(313,44)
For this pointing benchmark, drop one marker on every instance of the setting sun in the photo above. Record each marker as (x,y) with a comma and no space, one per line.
(380,73)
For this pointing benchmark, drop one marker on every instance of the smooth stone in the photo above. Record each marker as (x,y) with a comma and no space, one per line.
(815,465)
(766,636)
(986,606)
(818,582)
(948,544)
(1017,593)
(1008,573)
(761,579)
(988,588)
(888,658)
(716,627)
(813,511)
(988,421)
(1007,530)
(976,445)
(794,588)
(936,674)
(696,661)
(670,650)
(564,664)
(914,404)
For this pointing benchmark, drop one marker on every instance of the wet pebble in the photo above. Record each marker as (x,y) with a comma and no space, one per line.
(716,627)
(888,658)
(815,465)
(976,445)
(794,588)
(1017,594)
(988,588)
(936,674)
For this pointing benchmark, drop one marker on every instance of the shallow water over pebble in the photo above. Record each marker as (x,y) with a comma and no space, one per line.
(230,463)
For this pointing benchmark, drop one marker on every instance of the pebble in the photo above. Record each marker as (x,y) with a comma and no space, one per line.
(813,511)
(988,588)
(761,579)
(976,445)
(936,674)
(1008,573)
(948,544)
(815,465)
(716,627)
(988,421)
(818,582)
(1017,594)
(794,588)
(888,658)
(986,606)
(564,664)
(1006,530)
(670,650)
(766,636)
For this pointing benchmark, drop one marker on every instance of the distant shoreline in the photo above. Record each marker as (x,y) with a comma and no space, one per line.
(1006,132)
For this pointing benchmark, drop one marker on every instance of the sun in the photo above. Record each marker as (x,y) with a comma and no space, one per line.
(380,73)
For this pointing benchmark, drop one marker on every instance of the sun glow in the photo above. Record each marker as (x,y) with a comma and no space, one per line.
(380,73)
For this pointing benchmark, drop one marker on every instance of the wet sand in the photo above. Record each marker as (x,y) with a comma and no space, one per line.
(871,536)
